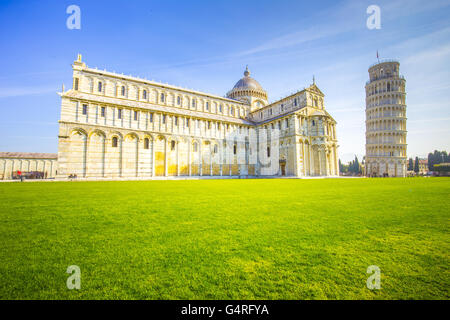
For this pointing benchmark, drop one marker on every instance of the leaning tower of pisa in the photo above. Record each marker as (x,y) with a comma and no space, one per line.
(385,121)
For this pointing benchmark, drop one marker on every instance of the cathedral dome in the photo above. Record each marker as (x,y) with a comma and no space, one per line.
(248,90)
(247,82)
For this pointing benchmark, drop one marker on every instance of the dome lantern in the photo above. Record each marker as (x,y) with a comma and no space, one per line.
(246,72)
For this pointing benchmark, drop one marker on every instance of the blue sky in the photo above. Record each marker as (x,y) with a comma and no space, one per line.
(205,45)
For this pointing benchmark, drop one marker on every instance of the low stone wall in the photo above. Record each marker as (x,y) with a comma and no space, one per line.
(35,164)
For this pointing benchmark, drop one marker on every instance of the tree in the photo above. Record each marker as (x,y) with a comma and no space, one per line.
(343,168)
(430,161)
(410,165)
(357,167)
(437,157)
(354,166)
(416,165)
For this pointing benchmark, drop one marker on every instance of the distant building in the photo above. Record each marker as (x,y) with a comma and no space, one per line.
(386,121)
(441,169)
(31,165)
(423,167)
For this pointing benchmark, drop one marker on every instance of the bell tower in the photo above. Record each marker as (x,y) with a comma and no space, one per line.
(385,121)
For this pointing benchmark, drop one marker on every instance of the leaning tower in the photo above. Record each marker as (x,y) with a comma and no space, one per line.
(385,121)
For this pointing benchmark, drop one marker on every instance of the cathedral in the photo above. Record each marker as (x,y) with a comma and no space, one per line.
(117,126)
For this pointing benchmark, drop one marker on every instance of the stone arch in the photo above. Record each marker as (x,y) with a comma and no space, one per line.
(78,130)
(130,158)
(131,136)
(215,157)
(172,146)
(148,135)
(113,158)
(115,134)
(160,147)
(183,160)
(96,153)
(146,155)
(96,132)
(205,157)
(77,152)
(196,141)
(195,156)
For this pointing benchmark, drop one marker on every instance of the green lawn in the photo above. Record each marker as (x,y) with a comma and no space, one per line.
(226,239)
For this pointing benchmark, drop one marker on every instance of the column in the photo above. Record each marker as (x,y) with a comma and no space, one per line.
(221,157)
(210,159)
(189,156)
(51,168)
(165,156)
(178,157)
(296,158)
(303,158)
(320,161)
(153,157)
(137,159)
(43,166)
(200,169)
(336,161)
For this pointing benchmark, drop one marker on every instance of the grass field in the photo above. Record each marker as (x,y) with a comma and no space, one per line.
(226,239)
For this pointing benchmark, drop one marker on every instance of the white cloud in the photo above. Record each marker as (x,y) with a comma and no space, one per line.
(428,131)
(33,137)
(428,55)
(347,110)
(428,120)
(25,91)
(30,123)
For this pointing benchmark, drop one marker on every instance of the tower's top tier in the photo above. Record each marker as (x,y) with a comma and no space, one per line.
(384,69)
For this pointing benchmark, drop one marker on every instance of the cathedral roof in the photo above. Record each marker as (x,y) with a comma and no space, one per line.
(247,87)
(314,88)
(247,82)
(28,155)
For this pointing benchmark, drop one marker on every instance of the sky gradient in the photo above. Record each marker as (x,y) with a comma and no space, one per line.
(205,45)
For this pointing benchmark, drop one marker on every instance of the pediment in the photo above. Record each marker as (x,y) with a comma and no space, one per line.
(313,88)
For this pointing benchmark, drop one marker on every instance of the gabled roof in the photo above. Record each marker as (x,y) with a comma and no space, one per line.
(314,88)
(318,112)
(321,112)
